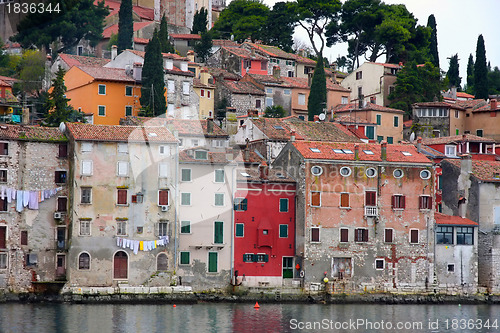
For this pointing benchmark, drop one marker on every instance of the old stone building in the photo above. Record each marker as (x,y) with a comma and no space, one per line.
(123,206)
(33,207)
(364,214)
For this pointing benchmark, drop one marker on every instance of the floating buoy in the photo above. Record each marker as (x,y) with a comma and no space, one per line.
(256,305)
(175,305)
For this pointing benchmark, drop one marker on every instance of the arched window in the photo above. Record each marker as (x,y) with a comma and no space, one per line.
(84,261)
(162,262)
(120,265)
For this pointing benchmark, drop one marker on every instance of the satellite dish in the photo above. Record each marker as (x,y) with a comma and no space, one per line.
(62,128)
(322,116)
(412,136)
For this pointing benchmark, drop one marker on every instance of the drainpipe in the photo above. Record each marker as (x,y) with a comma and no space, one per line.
(176,202)
(231,250)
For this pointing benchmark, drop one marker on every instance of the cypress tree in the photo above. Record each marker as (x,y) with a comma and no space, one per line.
(57,104)
(317,94)
(453,73)
(470,75)
(165,44)
(480,70)
(125,26)
(433,47)
(153,83)
(203,47)
(200,21)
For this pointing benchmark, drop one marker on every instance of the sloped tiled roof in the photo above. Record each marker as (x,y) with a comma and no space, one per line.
(107,74)
(75,60)
(216,72)
(188,156)
(303,83)
(9,80)
(91,132)
(274,175)
(394,152)
(439,105)
(272,51)
(273,128)
(143,12)
(224,42)
(351,119)
(185,127)
(164,55)
(368,107)
(482,169)
(486,107)
(185,36)
(269,80)
(461,94)
(442,219)
(238,87)
(322,131)
(408,123)
(386,65)
(455,139)
(199,84)
(113,29)
(474,103)
(31,133)
(138,40)
(243,53)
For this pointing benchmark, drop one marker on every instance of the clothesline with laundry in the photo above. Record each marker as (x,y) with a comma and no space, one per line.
(25,198)
(136,245)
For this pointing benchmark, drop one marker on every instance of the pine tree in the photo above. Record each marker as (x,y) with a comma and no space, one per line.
(470,75)
(200,21)
(317,95)
(480,70)
(433,47)
(153,83)
(125,26)
(165,44)
(453,73)
(56,105)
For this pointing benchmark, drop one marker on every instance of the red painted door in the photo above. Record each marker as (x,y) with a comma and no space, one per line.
(120,265)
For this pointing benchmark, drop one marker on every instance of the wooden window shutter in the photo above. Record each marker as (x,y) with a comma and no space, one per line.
(344,200)
(122,197)
(315,198)
(163,197)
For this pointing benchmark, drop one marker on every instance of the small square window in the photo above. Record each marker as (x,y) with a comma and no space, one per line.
(186,175)
(398,201)
(185,227)
(102,89)
(3,176)
(219,199)
(283,205)
(200,155)
(122,168)
(4,148)
(379,263)
(185,258)
(240,230)
(361,235)
(451,267)
(162,229)
(315,234)
(128,90)
(60,177)
(185,199)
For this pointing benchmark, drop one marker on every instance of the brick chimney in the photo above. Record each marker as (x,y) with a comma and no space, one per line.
(263,170)
(204,76)
(316,118)
(292,136)
(356,151)
(210,125)
(419,144)
(114,52)
(190,55)
(466,163)
(493,104)
(383,153)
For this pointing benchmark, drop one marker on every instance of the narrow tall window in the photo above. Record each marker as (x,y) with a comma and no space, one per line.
(344,235)
(315,234)
(361,235)
(121,197)
(218,232)
(388,235)
(414,236)
(283,205)
(163,197)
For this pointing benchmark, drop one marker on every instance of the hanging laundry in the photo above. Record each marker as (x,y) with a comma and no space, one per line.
(19,203)
(136,247)
(2,195)
(13,192)
(26,198)
(33,200)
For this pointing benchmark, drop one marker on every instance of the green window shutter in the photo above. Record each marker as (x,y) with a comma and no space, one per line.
(379,119)
(283,231)
(212,262)
(185,258)
(240,229)
(396,121)
(379,138)
(283,205)
(185,227)
(255,257)
(244,204)
(218,232)
(266,258)
(186,175)
(390,139)
(370,132)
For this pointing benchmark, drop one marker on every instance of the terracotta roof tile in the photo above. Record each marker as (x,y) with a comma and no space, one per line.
(185,127)
(474,103)
(408,123)
(350,119)
(439,105)
(464,95)
(142,12)
(185,36)
(386,65)
(303,83)
(138,40)
(91,132)
(486,108)
(394,152)
(482,169)
(188,156)
(107,74)
(322,131)
(268,80)
(31,133)
(216,72)
(456,138)
(75,60)
(243,53)
(368,107)
(224,42)
(269,50)
(442,219)
(238,87)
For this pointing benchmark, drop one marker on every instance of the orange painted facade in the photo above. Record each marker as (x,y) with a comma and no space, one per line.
(118,97)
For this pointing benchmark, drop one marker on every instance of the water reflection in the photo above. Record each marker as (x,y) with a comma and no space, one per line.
(212,317)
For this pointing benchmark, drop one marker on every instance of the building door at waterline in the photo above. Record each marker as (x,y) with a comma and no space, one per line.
(120,269)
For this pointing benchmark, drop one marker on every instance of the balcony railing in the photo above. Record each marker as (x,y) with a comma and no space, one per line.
(371,211)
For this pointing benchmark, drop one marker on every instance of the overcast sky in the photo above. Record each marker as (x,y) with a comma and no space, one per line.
(459,23)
